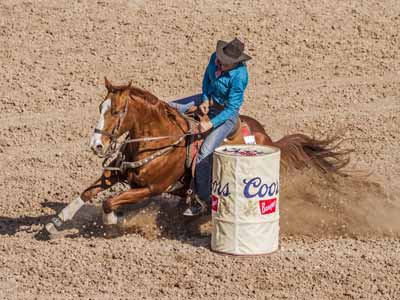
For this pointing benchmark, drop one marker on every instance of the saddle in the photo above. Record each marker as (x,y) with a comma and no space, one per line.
(239,135)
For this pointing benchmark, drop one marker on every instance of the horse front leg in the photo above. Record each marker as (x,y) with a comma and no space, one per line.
(129,197)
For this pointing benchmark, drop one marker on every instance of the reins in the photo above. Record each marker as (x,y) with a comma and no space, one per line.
(124,165)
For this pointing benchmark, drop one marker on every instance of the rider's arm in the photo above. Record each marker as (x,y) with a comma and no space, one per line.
(206,80)
(235,98)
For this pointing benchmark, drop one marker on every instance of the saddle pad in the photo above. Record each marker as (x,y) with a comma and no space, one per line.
(249,139)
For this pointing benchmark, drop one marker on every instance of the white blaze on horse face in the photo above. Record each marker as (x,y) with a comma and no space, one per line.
(96,137)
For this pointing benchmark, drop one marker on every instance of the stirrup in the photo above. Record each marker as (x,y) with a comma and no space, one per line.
(195,209)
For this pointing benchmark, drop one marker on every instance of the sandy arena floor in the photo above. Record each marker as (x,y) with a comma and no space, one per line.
(318,67)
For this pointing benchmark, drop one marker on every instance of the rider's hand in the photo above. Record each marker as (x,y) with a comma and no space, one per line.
(205,126)
(204,107)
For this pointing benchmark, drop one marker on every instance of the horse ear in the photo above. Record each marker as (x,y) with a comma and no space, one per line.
(108,84)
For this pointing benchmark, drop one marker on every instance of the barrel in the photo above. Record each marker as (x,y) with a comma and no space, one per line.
(245,199)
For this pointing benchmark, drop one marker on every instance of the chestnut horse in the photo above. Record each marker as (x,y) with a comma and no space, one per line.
(156,158)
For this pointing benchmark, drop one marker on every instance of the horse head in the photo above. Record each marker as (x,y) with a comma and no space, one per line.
(111,125)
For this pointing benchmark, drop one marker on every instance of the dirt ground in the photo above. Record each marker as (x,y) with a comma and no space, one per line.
(318,67)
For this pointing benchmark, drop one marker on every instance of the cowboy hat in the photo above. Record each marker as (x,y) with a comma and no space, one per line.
(232,52)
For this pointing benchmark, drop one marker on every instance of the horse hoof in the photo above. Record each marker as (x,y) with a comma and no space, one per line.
(110,219)
(51,229)
(52,232)
(53,226)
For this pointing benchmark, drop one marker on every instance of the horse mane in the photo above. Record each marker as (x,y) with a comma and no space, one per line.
(143,94)
(151,100)
(140,93)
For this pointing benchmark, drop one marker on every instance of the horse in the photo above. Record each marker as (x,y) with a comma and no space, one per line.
(152,160)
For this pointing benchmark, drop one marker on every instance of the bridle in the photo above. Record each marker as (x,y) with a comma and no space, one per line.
(114,132)
(115,148)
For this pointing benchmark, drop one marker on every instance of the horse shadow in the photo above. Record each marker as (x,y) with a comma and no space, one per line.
(13,225)
(153,219)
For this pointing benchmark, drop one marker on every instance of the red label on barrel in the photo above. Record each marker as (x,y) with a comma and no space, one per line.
(267,206)
(214,203)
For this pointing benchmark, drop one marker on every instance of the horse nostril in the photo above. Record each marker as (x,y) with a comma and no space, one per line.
(99,147)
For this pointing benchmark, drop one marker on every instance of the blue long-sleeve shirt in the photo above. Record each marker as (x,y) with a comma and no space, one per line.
(228,89)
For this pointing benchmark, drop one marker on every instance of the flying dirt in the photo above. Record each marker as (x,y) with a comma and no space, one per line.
(318,67)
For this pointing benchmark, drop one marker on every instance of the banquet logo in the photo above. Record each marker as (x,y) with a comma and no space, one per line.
(267,206)
(254,187)
(214,203)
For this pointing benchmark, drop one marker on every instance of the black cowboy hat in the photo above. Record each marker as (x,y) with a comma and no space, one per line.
(232,52)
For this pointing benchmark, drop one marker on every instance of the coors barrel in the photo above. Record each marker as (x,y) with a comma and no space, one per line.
(245,199)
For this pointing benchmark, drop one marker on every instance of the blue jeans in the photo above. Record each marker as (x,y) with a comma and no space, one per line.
(184,104)
(203,175)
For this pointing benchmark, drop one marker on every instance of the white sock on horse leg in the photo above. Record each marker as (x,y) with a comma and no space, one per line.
(71,209)
(110,219)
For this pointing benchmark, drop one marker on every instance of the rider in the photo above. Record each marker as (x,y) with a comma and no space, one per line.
(224,83)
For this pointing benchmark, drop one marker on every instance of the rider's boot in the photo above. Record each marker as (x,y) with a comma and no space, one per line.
(197,207)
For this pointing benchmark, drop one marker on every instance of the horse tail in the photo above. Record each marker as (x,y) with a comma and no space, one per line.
(302,151)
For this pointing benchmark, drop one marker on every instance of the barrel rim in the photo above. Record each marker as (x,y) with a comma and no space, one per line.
(218,150)
(246,255)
